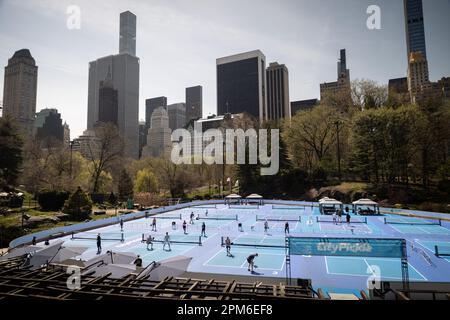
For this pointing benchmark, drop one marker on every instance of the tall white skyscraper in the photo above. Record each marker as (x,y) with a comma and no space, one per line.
(127,42)
(122,71)
(158,139)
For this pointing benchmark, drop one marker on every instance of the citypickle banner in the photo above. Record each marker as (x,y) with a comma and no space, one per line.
(354,247)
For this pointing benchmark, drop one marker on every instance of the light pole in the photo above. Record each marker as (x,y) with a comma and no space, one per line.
(72,144)
(338,129)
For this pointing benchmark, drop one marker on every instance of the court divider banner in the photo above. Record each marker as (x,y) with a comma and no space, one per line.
(353,247)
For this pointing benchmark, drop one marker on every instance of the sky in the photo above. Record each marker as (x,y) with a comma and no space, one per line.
(178,42)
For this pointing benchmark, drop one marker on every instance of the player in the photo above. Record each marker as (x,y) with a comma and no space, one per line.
(228,246)
(166,241)
(154,224)
(121,224)
(286,228)
(99,244)
(150,243)
(251,262)
(203,230)
(266,226)
(191,218)
(184,227)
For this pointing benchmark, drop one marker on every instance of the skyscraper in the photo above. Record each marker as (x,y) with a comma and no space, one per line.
(241,84)
(177,115)
(151,105)
(159,142)
(127,43)
(49,126)
(123,71)
(342,85)
(415,30)
(278,104)
(417,75)
(194,103)
(20,90)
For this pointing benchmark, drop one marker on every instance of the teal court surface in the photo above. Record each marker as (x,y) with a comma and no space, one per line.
(245,226)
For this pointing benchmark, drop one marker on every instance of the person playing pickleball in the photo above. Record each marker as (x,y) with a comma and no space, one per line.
(228,246)
(251,261)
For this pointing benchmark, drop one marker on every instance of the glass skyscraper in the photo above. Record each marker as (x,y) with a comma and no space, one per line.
(415,31)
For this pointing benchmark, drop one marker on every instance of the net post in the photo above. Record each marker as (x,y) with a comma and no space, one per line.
(73,233)
(440,222)
(385,222)
(221,241)
(181,218)
(200,240)
(317,219)
(299,218)
(436,251)
(122,238)
(237,218)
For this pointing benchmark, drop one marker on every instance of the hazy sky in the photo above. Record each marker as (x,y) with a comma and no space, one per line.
(178,42)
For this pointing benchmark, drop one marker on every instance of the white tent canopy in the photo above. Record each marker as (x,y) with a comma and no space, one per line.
(233,196)
(254,196)
(365,202)
(329,201)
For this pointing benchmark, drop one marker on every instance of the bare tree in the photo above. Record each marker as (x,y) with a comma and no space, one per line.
(105,149)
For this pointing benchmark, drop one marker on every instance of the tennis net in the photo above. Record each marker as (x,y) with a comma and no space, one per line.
(206,206)
(227,217)
(413,222)
(256,242)
(325,219)
(177,239)
(93,236)
(237,206)
(286,207)
(169,217)
(279,218)
(442,251)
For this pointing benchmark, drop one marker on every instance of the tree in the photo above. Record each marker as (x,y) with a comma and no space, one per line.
(78,206)
(105,149)
(311,136)
(367,94)
(125,186)
(10,152)
(145,181)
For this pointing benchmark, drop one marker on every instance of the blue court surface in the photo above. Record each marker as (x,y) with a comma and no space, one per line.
(245,226)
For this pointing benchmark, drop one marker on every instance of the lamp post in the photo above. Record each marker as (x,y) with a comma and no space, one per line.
(338,129)
(71,145)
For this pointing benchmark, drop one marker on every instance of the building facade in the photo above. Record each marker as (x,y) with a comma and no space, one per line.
(108,104)
(127,43)
(278,103)
(151,105)
(414,26)
(20,90)
(194,103)
(418,75)
(123,70)
(159,142)
(177,115)
(303,105)
(241,84)
(49,127)
(342,85)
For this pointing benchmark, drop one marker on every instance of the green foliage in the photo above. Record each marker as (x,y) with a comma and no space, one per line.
(52,200)
(145,181)
(10,152)
(78,206)
(125,186)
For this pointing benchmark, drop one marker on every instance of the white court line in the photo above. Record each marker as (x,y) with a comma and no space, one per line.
(384,277)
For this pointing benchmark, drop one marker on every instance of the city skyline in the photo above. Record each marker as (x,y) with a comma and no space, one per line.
(308,46)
